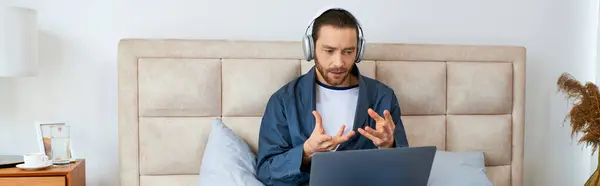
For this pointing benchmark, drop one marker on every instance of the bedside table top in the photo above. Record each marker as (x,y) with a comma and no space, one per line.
(50,171)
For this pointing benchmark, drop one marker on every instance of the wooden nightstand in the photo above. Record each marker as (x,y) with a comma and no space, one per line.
(71,175)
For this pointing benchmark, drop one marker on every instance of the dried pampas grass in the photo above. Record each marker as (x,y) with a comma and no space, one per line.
(585,114)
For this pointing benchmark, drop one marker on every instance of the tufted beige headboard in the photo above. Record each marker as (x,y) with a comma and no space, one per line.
(455,97)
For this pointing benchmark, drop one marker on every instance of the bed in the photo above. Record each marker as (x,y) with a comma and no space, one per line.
(454,97)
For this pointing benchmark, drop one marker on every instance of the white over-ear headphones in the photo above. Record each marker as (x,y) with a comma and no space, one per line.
(309,45)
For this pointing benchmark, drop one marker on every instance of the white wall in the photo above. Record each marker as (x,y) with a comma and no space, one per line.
(79,44)
(6,114)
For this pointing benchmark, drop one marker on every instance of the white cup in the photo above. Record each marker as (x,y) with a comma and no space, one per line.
(35,159)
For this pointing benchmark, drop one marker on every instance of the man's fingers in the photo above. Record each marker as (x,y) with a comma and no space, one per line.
(373,131)
(374,115)
(339,140)
(388,116)
(389,121)
(369,136)
(318,124)
(343,138)
(341,131)
(347,137)
(323,138)
(388,129)
(326,145)
(317,118)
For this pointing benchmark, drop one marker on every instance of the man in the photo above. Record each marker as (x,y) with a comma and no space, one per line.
(330,108)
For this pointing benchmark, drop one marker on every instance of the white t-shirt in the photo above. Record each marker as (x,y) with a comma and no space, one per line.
(337,107)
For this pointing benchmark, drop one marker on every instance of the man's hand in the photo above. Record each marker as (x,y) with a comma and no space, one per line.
(320,142)
(383,135)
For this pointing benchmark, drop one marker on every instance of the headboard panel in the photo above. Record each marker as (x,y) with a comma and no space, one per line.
(455,97)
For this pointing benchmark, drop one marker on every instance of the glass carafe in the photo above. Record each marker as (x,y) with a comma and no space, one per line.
(61,144)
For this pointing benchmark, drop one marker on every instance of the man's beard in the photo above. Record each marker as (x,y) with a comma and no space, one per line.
(329,80)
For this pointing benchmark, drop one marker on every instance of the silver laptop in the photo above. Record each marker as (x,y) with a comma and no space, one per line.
(382,167)
(7,161)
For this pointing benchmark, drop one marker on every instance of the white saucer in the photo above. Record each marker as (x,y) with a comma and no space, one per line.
(22,166)
(70,161)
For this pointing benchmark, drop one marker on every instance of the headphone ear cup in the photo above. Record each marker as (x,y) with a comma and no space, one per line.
(361,50)
(307,46)
(311,46)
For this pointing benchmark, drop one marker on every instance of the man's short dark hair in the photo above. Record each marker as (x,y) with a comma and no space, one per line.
(334,17)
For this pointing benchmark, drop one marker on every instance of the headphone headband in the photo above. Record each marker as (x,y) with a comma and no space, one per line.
(308,43)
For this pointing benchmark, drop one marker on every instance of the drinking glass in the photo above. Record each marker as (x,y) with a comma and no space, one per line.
(60,142)
(46,139)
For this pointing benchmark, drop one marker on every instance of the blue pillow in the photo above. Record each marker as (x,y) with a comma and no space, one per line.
(458,169)
(227,159)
